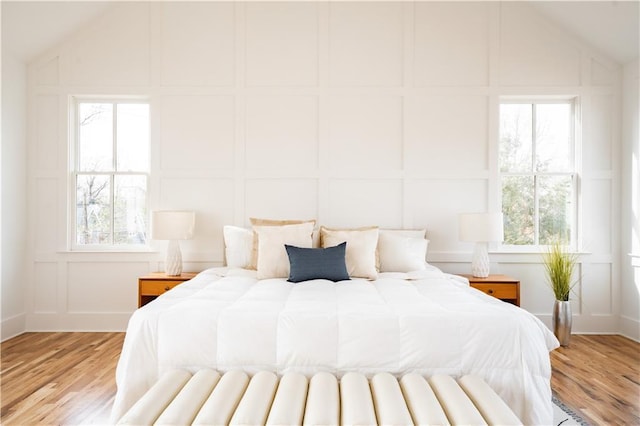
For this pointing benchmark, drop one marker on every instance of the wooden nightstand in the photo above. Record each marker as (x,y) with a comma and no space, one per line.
(154,284)
(502,287)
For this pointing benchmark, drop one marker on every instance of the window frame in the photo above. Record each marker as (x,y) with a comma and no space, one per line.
(74,171)
(575,171)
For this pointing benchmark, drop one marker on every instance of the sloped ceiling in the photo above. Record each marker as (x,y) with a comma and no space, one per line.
(612,27)
(30,28)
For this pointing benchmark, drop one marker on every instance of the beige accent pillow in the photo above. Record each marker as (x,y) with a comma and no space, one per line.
(253,264)
(361,248)
(273,261)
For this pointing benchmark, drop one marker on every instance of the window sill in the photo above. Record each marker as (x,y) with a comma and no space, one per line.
(531,254)
(530,249)
(146,250)
(533,251)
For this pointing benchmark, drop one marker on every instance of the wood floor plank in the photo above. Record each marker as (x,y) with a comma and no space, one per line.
(599,376)
(58,378)
(69,378)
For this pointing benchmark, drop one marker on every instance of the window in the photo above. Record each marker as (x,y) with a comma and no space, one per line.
(110,174)
(538,172)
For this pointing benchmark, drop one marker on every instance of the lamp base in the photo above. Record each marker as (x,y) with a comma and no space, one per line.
(173,263)
(480,265)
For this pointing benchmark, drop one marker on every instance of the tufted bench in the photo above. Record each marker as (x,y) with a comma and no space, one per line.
(209,398)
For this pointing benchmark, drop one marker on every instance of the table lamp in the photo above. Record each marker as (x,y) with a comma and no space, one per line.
(481,228)
(172,225)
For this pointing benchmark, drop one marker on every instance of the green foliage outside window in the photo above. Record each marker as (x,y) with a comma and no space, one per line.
(537,172)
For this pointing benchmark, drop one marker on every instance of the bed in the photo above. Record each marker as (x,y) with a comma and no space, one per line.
(423,321)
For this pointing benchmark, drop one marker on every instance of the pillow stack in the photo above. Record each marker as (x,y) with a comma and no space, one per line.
(286,249)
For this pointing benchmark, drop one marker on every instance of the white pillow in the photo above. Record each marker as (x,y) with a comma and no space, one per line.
(400,253)
(361,248)
(273,261)
(238,246)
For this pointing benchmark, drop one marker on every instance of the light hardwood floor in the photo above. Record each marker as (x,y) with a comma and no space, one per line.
(58,378)
(68,378)
(599,376)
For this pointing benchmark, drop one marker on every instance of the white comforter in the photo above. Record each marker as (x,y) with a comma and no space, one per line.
(431,323)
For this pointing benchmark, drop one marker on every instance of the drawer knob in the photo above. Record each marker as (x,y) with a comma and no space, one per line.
(167,288)
(490,291)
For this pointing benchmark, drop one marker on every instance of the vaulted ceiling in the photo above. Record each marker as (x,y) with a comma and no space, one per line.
(30,28)
(612,27)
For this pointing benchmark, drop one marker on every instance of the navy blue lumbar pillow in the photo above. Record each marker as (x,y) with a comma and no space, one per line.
(317,263)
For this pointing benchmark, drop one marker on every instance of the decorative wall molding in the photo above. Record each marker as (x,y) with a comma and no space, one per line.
(314,113)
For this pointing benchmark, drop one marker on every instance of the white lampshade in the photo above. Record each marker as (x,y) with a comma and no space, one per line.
(481,227)
(172,225)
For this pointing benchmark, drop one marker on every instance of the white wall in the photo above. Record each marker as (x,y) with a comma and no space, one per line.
(14,196)
(351,113)
(630,309)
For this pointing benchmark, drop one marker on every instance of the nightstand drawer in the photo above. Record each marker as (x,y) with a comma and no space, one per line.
(500,291)
(156,288)
(501,287)
(154,284)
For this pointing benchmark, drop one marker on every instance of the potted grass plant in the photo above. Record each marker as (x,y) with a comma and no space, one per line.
(559,265)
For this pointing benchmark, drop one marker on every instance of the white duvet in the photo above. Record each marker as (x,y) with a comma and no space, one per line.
(426,322)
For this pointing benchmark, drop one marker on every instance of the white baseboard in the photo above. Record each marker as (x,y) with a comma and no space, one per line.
(630,327)
(12,327)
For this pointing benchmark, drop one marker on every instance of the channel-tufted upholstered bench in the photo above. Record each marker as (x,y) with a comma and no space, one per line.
(209,398)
